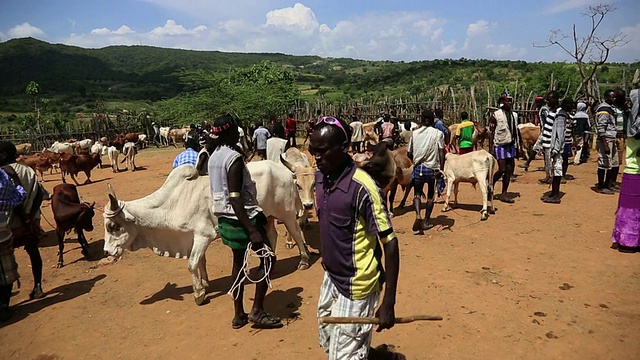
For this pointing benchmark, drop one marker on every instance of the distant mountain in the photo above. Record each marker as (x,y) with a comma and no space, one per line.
(147,73)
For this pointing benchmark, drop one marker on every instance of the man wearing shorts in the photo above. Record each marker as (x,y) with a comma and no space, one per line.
(608,161)
(426,149)
(557,117)
(505,139)
(354,228)
(240,219)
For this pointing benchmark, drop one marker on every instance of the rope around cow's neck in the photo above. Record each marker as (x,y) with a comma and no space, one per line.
(266,254)
(109,214)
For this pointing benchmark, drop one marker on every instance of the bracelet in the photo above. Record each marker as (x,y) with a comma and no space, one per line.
(234,195)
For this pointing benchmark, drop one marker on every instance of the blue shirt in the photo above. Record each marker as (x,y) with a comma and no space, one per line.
(439,124)
(352,216)
(188,156)
(260,136)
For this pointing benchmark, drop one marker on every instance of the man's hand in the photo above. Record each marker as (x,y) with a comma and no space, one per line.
(256,239)
(387,315)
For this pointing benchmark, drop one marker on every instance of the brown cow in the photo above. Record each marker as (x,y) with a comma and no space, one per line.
(72,164)
(390,169)
(480,134)
(370,136)
(38,163)
(529,134)
(69,214)
(133,137)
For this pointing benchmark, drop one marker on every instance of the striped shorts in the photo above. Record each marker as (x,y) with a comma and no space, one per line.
(344,341)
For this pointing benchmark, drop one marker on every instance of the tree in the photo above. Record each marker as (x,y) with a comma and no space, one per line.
(33,89)
(590,51)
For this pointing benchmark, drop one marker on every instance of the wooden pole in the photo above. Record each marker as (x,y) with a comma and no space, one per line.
(376,321)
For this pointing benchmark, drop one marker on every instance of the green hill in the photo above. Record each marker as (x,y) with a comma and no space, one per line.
(75,77)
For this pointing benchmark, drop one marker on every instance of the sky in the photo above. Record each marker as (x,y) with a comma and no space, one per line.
(398,30)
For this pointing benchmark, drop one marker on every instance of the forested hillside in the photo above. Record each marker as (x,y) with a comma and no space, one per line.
(74,78)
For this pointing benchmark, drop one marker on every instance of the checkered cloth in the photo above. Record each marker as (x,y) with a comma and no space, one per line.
(8,265)
(505,151)
(344,341)
(188,156)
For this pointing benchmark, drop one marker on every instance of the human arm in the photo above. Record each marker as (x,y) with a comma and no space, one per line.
(235,179)
(410,148)
(11,195)
(377,222)
(441,154)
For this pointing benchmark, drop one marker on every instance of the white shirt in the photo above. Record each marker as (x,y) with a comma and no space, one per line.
(425,145)
(241,140)
(357,134)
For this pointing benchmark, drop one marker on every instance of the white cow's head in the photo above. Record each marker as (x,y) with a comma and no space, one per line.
(120,230)
(305,179)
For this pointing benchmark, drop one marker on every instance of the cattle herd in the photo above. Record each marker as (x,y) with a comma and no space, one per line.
(176,220)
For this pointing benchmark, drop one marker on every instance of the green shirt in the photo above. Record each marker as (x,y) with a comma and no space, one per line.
(465,133)
(633,157)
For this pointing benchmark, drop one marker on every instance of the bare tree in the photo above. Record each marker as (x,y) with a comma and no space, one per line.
(590,51)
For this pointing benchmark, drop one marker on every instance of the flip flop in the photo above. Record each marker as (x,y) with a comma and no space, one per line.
(266,321)
(244,320)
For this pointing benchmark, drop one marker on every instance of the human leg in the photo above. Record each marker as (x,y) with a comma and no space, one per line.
(351,341)
(36,269)
(239,317)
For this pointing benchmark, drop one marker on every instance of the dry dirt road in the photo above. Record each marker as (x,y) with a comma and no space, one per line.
(535,281)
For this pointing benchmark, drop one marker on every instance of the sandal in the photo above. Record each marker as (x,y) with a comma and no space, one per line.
(266,321)
(240,323)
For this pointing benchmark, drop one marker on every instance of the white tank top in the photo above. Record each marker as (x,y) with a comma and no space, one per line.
(219,163)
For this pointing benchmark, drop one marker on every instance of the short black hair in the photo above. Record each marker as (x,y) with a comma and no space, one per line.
(10,151)
(554,94)
(464,115)
(609,92)
(427,115)
(439,113)
(567,104)
(290,115)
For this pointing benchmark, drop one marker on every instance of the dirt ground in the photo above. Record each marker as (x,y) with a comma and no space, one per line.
(535,281)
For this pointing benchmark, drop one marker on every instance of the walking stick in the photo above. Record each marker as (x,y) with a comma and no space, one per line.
(376,321)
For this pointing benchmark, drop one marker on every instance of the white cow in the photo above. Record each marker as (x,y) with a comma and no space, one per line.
(96,148)
(164,135)
(129,151)
(59,147)
(305,178)
(275,148)
(83,144)
(113,157)
(284,191)
(476,167)
(176,220)
(143,140)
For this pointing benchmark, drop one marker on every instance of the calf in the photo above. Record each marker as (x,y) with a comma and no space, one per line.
(69,214)
(389,169)
(129,151)
(36,162)
(529,134)
(476,167)
(73,164)
(113,154)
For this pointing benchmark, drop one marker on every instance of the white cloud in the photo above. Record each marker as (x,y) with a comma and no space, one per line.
(296,30)
(296,18)
(100,31)
(124,30)
(22,31)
